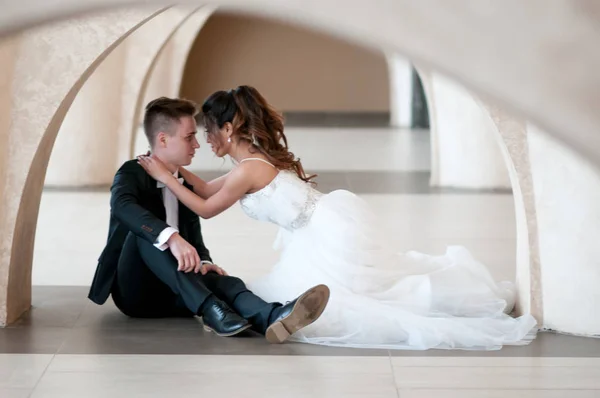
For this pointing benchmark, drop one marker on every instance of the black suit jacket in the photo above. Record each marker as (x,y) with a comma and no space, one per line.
(137,207)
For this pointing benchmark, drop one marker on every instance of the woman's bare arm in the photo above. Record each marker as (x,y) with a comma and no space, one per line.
(233,189)
(202,188)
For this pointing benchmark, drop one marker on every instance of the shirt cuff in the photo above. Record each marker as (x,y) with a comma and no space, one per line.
(206,262)
(163,237)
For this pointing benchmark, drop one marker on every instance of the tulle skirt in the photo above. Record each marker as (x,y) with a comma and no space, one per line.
(381,298)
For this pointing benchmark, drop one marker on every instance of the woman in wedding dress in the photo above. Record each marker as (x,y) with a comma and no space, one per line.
(379,298)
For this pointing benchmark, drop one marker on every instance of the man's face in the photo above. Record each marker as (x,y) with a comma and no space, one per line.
(180,148)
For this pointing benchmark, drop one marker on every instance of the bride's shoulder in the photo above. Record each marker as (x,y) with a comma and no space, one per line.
(240,173)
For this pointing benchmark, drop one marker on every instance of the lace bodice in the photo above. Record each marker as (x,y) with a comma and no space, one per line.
(286,201)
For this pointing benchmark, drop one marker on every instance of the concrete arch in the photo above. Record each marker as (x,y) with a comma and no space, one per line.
(468,154)
(165,70)
(567,198)
(426,80)
(394,62)
(512,139)
(526,87)
(109,139)
(553,92)
(510,136)
(306,73)
(401,90)
(133,119)
(39,104)
(172,57)
(143,46)
(464,148)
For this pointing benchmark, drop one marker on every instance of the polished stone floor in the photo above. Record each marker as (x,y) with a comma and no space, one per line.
(116,376)
(64,321)
(67,346)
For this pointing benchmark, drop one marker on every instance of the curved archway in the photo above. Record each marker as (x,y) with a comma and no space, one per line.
(314,78)
(512,139)
(108,106)
(510,135)
(466,153)
(172,57)
(138,96)
(562,110)
(29,161)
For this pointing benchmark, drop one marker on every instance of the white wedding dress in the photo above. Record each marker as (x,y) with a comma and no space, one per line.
(379,298)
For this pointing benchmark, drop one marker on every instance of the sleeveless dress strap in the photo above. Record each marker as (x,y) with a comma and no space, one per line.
(262,160)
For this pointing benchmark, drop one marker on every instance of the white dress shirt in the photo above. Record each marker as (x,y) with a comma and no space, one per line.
(172,210)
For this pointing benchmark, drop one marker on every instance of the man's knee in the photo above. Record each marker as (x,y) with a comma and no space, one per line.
(223,278)
(235,282)
(223,283)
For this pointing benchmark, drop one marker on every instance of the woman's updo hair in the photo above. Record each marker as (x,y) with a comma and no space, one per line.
(254,121)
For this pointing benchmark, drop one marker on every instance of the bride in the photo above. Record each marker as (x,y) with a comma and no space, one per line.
(379,298)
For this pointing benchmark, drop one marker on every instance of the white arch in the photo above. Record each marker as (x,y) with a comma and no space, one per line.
(527,85)
(180,43)
(43,89)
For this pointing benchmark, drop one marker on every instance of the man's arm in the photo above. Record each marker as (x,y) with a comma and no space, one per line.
(125,204)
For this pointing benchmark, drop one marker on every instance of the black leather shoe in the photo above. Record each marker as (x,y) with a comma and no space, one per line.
(298,314)
(222,320)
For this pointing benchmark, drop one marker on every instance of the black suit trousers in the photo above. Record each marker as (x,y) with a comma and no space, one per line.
(148,285)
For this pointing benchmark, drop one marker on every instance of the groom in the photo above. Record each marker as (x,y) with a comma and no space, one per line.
(155,263)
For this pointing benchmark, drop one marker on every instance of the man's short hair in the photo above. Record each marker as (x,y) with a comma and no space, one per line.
(163,113)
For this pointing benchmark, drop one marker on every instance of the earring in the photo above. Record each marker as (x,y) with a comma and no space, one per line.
(229,139)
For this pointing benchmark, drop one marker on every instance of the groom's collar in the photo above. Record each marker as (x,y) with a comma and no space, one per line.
(175,174)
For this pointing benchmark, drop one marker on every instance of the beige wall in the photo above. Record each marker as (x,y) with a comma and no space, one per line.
(296,69)
(166,74)
(89,135)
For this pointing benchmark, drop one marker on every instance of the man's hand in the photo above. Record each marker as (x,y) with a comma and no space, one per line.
(186,254)
(204,268)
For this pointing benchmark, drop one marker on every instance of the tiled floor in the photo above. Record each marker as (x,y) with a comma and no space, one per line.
(482,222)
(295,376)
(63,321)
(69,347)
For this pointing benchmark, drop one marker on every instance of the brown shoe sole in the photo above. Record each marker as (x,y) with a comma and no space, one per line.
(307,309)
(240,330)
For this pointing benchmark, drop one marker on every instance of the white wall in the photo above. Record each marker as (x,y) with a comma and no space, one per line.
(465,138)
(567,192)
(400,73)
